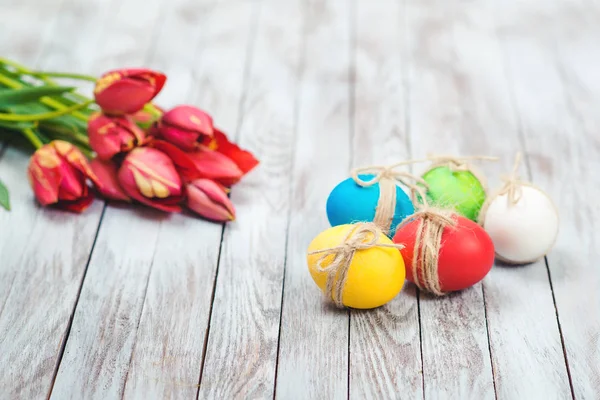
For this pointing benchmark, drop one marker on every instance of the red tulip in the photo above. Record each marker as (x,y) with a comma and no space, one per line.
(216,166)
(187,127)
(107,182)
(242,158)
(126,91)
(149,176)
(209,200)
(110,135)
(57,173)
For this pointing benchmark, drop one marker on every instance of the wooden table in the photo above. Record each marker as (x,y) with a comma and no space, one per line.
(123,301)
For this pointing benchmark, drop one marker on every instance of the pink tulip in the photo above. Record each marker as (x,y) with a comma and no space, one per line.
(126,91)
(216,166)
(57,173)
(209,200)
(111,135)
(149,176)
(107,182)
(187,127)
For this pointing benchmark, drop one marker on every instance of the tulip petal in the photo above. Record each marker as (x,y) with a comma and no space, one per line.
(190,119)
(182,138)
(155,78)
(107,183)
(74,157)
(243,158)
(78,205)
(44,182)
(72,183)
(183,163)
(149,176)
(208,199)
(159,205)
(216,166)
(110,135)
(125,96)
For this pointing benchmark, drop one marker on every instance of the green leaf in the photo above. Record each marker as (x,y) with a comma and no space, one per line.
(29,94)
(4,199)
(17,126)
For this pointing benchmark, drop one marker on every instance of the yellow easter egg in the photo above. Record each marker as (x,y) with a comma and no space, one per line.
(375,275)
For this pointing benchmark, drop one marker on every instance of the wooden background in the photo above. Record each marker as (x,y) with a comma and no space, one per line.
(123,301)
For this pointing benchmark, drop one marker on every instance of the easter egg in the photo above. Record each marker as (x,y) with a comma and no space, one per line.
(459,190)
(349,203)
(522,232)
(464,255)
(375,275)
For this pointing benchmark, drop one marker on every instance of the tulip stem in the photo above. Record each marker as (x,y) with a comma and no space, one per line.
(32,137)
(48,115)
(151,108)
(13,84)
(80,77)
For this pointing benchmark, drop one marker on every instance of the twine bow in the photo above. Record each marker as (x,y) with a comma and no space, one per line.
(512,183)
(428,240)
(512,188)
(356,239)
(388,177)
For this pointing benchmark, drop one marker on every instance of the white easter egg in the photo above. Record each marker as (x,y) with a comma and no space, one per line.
(525,231)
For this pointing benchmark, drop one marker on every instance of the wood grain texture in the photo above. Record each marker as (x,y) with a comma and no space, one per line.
(313,357)
(452,110)
(574,164)
(169,346)
(520,308)
(556,79)
(242,343)
(99,348)
(385,351)
(43,251)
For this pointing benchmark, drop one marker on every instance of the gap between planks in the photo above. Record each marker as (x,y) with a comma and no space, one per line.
(244,88)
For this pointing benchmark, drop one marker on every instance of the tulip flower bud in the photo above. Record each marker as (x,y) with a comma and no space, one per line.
(110,135)
(57,173)
(209,200)
(187,127)
(149,176)
(126,91)
(216,166)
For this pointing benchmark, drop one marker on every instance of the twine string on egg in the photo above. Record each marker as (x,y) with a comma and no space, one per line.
(388,178)
(511,187)
(356,239)
(428,241)
(512,183)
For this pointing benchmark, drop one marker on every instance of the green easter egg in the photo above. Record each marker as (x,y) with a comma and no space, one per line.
(460,190)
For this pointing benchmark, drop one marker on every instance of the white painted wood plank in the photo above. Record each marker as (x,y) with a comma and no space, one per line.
(456,103)
(520,309)
(385,351)
(242,343)
(98,350)
(43,251)
(169,346)
(313,358)
(560,62)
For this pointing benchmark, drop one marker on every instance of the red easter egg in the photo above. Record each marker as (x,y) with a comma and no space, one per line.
(466,253)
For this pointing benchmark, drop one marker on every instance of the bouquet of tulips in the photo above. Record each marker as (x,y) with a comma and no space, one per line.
(163,159)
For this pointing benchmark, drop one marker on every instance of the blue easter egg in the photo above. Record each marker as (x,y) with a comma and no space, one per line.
(349,203)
